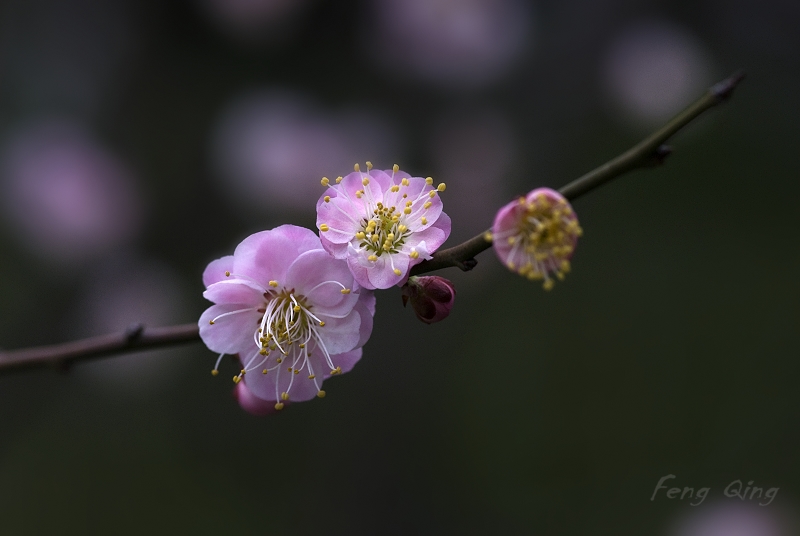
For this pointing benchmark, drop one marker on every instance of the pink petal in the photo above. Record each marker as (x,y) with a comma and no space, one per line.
(366,322)
(230,334)
(237,291)
(346,360)
(340,334)
(299,387)
(266,256)
(215,271)
(315,275)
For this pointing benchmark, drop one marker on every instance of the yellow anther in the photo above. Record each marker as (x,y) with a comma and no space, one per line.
(374,237)
(264,371)
(426,205)
(345,291)
(273,283)
(278,360)
(424,220)
(402,228)
(369,165)
(372,258)
(290,369)
(321,323)
(442,186)
(325,181)
(214,372)
(432,194)
(227,273)
(429,181)
(414,254)
(324,228)
(327,198)
(386,247)
(488,236)
(395,168)
(279,406)
(237,379)
(548,284)
(338,179)
(365,181)
(565,266)
(407,210)
(284,396)
(395,188)
(296,371)
(360,235)
(211,322)
(356,168)
(263,351)
(404,182)
(296,308)
(397,271)
(321,394)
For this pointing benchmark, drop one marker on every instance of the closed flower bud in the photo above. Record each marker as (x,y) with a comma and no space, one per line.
(431,297)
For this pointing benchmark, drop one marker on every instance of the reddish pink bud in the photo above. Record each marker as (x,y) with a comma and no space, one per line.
(431,297)
(251,403)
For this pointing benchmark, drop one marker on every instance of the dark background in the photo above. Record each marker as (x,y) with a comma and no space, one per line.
(140,140)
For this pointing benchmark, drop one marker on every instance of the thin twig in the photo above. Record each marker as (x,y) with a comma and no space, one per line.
(61,356)
(650,151)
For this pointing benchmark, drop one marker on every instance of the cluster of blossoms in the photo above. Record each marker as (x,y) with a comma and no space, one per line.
(297,308)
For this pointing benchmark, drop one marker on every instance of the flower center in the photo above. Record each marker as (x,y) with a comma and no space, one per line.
(546,233)
(383,232)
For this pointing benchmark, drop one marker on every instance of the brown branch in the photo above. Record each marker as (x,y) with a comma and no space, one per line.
(61,356)
(650,151)
(647,153)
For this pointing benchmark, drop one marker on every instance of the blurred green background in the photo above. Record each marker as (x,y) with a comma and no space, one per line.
(140,140)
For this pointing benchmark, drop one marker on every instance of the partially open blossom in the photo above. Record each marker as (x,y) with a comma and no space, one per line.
(536,235)
(293,314)
(382,223)
(431,297)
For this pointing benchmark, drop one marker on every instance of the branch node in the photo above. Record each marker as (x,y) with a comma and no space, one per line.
(724,89)
(467,265)
(133,332)
(660,154)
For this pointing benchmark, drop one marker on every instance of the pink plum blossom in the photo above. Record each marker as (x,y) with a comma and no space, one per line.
(293,314)
(382,223)
(536,235)
(431,297)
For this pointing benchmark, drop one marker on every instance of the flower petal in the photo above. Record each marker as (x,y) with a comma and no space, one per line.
(265,256)
(229,334)
(239,291)
(320,278)
(215,271)
(340,334)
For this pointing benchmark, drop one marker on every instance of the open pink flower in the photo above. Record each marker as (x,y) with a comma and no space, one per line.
(536,235)
(382,222)
(293,314)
